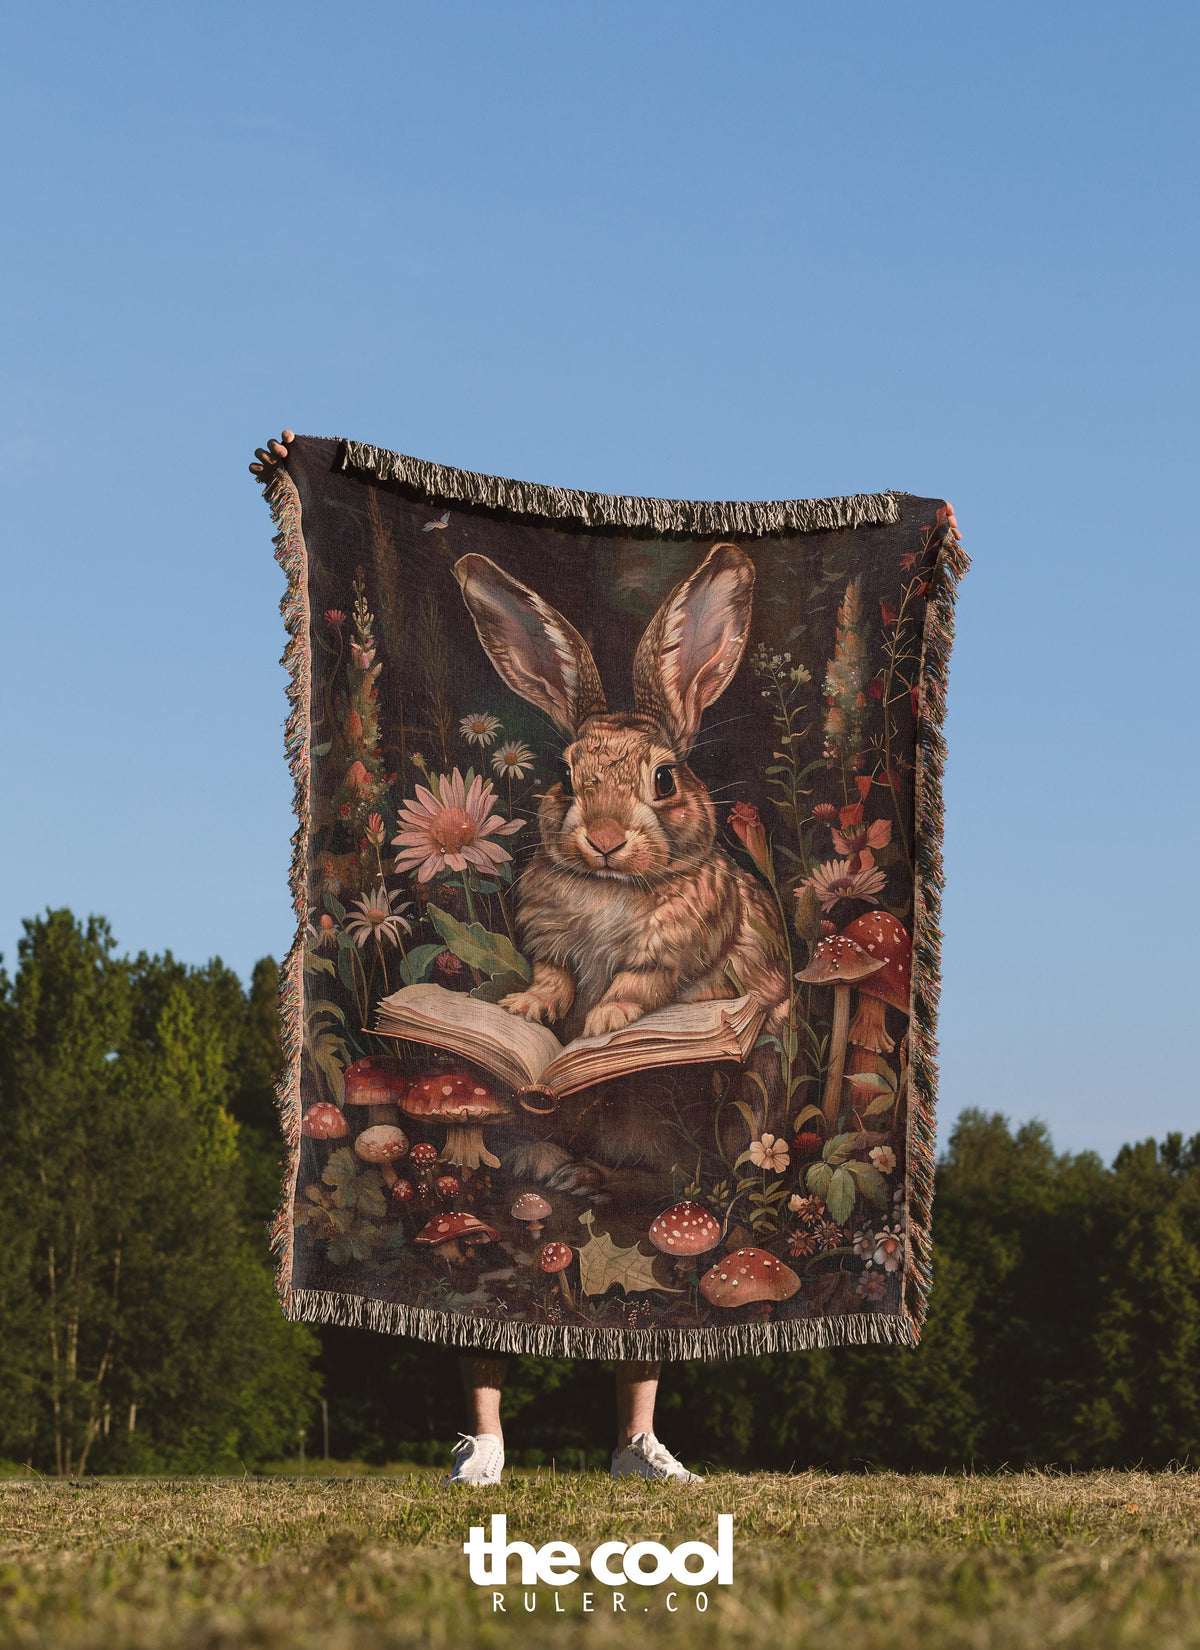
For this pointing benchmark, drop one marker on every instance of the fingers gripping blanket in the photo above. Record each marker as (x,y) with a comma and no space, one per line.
(609,1021)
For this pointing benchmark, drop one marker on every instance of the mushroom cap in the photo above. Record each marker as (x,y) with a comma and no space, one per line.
(530,1206)
(381,1144)
(445,1228)
(748,1275)
(880,935)
(685,1229)
(446,1185)
(452,1097)
(402,1190)
(555,1257)
(375,1080)
(839,960)
(324,1122)
(423,1155)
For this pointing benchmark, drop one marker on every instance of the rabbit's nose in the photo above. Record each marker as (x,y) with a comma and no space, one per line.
(606,837)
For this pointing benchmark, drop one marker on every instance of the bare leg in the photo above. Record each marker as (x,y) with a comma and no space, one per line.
(483,1379)
(637,1388)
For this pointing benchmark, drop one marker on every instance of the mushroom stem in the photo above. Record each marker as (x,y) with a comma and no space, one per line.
(564,1288)
(388,1173)
(869,1030)
(464,1146)
(449,1251)
(832,1099)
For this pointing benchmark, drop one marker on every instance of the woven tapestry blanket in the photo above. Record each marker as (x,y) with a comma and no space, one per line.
(609,1021)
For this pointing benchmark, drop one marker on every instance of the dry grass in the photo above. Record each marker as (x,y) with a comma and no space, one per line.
(1011,1563)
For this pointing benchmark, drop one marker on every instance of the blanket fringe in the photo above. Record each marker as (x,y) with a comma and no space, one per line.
(291,555)
(697,519)
(547,1340)
(951,564)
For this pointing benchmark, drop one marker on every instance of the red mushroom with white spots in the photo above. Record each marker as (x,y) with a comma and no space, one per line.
(841,963)
(376,1082)
(324,1122)
(554,1260)
(466,1105)
(684,1230)
(746,1276)
(880,935)
(445,1235)
(422,1158)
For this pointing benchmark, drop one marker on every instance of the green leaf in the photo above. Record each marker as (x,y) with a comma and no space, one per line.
(817,1180)
(315,963)
(882,1102)
(334,906)
(490,953)
(804,1114)
(368,1191)
(416,966)
(883,1083)
(839,1199)
(499,986)
(751,1120)
(838,1148)
(346,969)
(323,750)
(869,1182)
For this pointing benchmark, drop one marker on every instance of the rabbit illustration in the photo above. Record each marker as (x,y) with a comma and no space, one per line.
(628,904)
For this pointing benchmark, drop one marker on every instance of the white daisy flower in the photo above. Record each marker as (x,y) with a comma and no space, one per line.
(479,728)
(513,760)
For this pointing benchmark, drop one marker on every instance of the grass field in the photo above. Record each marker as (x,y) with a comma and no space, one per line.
(823,1561)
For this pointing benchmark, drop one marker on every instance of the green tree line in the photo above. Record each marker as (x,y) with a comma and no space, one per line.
(140,1161)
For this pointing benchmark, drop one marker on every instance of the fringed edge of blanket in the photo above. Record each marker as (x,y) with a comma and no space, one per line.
(700,518)
(938,639)
(291,555)
(571,1341)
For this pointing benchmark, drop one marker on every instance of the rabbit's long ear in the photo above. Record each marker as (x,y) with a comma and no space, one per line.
(694,643)
(539,655)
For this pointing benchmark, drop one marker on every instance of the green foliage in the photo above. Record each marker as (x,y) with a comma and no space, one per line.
(142,1330)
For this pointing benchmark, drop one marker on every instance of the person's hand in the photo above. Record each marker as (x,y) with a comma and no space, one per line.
(945,515)
(270,455)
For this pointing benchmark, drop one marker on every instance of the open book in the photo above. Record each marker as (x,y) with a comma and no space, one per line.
(528,1056)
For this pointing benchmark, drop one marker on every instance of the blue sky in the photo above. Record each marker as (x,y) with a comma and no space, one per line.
(687,249)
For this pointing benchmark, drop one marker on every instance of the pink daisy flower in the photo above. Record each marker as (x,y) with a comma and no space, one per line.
(451,830)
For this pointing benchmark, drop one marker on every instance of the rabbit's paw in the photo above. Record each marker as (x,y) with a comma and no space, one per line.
(530,1004)
(612,1016)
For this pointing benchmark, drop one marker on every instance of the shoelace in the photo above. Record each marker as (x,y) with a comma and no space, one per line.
(658,1455)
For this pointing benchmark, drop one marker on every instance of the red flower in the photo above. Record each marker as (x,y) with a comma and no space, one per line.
(336,616)
(806,1144)
(851,815)
(889,612)
(344,810)
(825,810)
(914,695)
(875,687)
(750,832)
(864,785)
(909,560)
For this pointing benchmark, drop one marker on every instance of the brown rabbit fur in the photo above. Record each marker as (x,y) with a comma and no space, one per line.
(628,904)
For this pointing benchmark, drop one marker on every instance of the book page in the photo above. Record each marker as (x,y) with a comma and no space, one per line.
(509,1046)
(682,1034)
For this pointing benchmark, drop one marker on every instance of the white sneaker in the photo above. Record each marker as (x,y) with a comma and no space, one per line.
(644,1457)
(477,1460)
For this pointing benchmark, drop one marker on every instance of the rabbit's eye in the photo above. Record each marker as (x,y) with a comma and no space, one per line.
(664,781)
(568,787)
